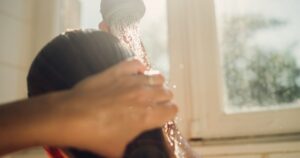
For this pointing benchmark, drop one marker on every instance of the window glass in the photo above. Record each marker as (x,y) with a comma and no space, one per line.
(259,41)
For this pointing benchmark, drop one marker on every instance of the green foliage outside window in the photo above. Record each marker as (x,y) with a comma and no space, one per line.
(255,75)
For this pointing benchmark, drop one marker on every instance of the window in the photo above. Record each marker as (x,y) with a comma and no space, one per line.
(259,45)
(236,66)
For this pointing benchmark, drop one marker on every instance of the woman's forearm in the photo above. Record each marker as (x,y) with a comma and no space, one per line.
(93,115)
(27,123)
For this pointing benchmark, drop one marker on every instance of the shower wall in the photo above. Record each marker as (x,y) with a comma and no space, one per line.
(25,27)
(16,40)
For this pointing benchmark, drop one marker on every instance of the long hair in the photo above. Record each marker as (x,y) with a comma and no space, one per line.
(73,56)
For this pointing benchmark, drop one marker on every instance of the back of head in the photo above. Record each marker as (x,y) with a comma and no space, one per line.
(71,57)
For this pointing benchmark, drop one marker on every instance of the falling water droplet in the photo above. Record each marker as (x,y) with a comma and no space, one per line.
(128,33)
(167,83)
(172,132)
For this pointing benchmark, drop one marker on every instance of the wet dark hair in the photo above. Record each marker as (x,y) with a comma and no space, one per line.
(73,56)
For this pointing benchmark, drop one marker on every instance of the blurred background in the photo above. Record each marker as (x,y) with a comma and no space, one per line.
(27,25)
(233,65)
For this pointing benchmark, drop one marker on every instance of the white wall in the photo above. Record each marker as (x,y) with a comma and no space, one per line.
(16,17)
(25,27)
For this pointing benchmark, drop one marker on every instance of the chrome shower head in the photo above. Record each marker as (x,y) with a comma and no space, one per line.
(114,10)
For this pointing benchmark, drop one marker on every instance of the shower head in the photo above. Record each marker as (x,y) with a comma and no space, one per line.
(115,10)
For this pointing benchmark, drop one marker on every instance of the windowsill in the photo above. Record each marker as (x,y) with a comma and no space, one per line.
(248,146)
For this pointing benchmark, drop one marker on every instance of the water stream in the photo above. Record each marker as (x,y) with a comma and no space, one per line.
(127,30)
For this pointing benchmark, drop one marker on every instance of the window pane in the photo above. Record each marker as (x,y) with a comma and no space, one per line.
(153,29)
(259,43)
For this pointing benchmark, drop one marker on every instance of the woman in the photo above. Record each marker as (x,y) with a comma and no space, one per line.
(70,58)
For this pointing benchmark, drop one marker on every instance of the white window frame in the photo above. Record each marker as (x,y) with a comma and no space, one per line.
(196,71)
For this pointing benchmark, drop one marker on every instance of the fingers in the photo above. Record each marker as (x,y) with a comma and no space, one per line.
(159,114)
(160,94)
(150,91)
(131,66)
(150,80)
(126,68)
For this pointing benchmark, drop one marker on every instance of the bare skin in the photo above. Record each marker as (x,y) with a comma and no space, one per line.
(184,143)
(91,116)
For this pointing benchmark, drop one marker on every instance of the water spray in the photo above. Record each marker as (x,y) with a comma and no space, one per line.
(123,18)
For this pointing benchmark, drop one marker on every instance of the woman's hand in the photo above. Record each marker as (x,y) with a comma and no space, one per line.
(101,114)
(107,111)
